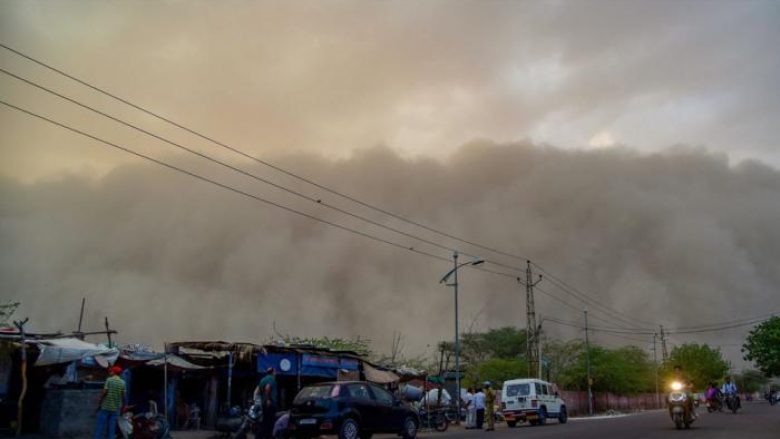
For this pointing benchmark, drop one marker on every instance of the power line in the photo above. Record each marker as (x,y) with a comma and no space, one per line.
(241,192)
(720,328)
(570,290)
(748,320)
(224,186)
(274,167)
(266,163)
(236,169)
(564,286)
(601,329)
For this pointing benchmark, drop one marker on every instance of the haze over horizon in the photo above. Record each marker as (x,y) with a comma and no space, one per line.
(629,147)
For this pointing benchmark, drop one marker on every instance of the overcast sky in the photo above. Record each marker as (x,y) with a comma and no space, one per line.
(420,77)
(630,145)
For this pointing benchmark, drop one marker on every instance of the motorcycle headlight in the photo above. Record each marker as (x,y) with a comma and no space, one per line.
(676,385)
(677,397)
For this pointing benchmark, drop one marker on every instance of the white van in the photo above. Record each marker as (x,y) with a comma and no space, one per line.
(531,400)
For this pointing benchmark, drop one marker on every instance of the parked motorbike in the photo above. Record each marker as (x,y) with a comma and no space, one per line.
(150,425)
(237,424)
(434,419)
(733,402)
(680,406)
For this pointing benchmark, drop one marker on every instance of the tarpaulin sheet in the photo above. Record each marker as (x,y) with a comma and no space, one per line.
(379,376)
(319,366)
(175,362)
(65,350)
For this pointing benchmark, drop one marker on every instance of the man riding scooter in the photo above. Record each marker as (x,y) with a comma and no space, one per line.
(679,377)
(730,393)
(714,398)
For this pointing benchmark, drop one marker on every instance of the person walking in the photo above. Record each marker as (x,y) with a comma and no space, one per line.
(471,411)
(479,405)
(265,392)
(490,401)
(111,401)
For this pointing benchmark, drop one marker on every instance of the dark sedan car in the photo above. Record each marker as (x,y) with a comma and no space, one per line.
(350,409)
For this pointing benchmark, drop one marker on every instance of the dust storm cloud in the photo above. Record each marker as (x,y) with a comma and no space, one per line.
(678,237)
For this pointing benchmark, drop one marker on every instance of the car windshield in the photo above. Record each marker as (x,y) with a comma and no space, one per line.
(315,392)
(517,389)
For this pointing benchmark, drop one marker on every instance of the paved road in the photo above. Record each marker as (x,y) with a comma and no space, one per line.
(756,420)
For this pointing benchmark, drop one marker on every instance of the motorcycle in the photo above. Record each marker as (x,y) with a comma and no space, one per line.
(237,424)
(773,397)
(715,404)
(434,419)
(680,406)
(733,402)
(150,425)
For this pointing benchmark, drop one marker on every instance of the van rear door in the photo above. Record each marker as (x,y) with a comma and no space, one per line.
(516,396)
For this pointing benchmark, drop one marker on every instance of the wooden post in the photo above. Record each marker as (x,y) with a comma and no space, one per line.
(165,378)
(81,316)
(108,333)
(20,402)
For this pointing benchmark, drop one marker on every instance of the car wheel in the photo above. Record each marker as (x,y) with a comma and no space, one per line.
(410,428)
(349,429)
(511,424)
(563,416)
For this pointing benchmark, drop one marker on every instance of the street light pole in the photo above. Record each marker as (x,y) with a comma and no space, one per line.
(457,338)
(454,285)
(587,356)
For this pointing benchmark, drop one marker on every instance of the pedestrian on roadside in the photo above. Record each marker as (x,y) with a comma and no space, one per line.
(490,401)
(265,392)
(471,411)
(110,403)
(479,405)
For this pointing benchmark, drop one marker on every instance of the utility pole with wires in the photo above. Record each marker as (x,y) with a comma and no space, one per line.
(664,352)
(587,359)
(532,353)
(539,347)
(655,365)
(20,402)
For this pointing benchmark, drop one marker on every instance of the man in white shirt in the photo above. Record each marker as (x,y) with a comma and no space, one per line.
(471,411)
(479,405)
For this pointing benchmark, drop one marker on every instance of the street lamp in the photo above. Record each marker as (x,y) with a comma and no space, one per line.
(454,284)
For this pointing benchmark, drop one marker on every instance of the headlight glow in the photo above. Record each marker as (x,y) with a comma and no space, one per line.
(676,385)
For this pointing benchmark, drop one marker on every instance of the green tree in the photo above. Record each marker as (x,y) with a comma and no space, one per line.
(751,381)
(763,347)
(625,370)
(495,370)
(699,362)
(560,357)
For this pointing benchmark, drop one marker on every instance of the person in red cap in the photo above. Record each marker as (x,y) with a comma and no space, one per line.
(111,401)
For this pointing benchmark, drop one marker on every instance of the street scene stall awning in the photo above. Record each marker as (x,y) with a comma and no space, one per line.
(66,350)
(175,362)
(379,376)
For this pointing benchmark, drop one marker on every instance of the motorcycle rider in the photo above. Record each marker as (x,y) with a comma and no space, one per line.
(713,395)
(729,389)
(678,375)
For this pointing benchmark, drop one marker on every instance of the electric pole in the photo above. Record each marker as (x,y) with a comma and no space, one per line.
(655,365)
(664,352)
(532,353)
(587,357)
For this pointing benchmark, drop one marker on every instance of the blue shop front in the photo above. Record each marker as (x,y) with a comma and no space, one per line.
(296,368)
